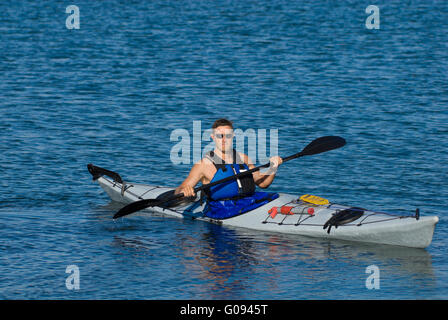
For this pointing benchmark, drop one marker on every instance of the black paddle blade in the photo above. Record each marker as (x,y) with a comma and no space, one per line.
(97,172)
(135,206)
(323,144)
(169,199)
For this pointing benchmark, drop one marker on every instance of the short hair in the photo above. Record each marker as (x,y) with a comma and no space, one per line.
(222,122)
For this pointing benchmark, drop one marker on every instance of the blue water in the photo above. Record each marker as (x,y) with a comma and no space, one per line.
(112,92)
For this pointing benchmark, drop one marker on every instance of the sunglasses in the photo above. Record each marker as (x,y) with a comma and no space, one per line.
(221,135)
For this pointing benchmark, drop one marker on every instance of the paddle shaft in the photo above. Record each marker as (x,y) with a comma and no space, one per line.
(209,185)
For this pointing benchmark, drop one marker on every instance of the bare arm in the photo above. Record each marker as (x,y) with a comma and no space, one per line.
(263,180)
(195,175)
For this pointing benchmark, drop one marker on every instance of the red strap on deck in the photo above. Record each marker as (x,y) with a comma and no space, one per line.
(286,210)
(273,212)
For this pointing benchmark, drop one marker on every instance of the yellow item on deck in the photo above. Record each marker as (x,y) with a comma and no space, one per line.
(314,199)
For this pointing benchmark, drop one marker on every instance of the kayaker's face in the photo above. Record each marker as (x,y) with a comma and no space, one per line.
(223,137)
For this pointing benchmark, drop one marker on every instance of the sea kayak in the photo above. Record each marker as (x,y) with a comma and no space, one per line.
(287,213)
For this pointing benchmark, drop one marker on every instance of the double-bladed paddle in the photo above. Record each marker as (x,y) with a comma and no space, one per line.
(316,146)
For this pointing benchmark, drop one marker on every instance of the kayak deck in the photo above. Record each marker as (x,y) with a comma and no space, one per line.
(372,227)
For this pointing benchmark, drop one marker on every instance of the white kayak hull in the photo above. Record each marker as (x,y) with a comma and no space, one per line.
(371,227)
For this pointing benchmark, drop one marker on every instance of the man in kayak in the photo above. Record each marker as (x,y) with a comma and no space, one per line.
(235,196)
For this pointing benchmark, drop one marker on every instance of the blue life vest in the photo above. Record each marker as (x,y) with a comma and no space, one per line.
(236,196)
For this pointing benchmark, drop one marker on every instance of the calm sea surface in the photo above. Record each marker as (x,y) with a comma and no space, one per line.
(113,91)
